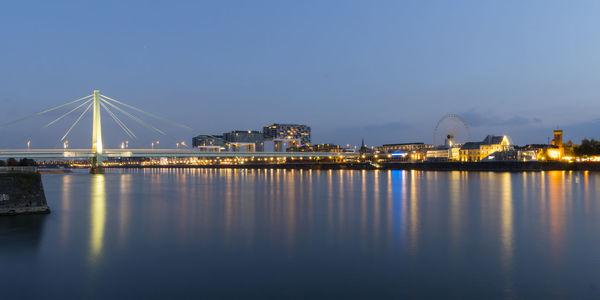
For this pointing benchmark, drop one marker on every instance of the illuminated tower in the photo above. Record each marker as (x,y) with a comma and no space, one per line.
(558,141)
(558,138)
(97,147)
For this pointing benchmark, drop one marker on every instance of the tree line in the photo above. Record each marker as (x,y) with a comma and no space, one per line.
(24,162)
(587,147)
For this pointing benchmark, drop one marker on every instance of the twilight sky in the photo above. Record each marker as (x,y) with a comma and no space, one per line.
(382,70)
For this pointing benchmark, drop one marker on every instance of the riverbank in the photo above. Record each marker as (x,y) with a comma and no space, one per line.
(299,166)
(506,166)
(500,166)
(54,171)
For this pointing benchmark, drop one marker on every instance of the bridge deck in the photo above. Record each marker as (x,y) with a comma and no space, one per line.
(150,153)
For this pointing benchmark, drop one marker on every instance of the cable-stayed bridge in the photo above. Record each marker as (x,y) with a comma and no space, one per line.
(150,153)
(97,102)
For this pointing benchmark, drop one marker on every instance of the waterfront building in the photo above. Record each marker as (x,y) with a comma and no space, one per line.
(252,140)
(403,147)
(554,153)
(209,142)
(556,150)
(294,135)
(317,148)
(476,151)
(408,151)
(508,155)
(443,153)
(538,152)
(527,155)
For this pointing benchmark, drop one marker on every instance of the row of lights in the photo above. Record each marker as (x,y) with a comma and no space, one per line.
(125,144)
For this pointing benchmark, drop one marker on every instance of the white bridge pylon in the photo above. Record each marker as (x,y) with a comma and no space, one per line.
(100,102)
(97,146)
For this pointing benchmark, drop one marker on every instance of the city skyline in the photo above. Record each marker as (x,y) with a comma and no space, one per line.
(384,72)
(269,149)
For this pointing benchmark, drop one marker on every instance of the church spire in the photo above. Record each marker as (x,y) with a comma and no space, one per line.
(363,147)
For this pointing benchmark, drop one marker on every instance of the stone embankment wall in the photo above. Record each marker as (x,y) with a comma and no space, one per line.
(21,191)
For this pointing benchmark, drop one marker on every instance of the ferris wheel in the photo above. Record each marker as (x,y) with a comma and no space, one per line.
(450,130)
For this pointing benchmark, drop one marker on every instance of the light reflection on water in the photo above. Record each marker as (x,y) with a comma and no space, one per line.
(124,207)
(65,205)
(507,220)
(364,234)
(97,216)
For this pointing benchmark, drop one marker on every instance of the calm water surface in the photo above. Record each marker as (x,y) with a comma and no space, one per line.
(203,233)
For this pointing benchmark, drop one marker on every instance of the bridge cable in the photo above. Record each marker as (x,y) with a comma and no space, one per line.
(68,113)
(38,130)
(76,121)
(43,112)
(128,131)
(148,114)
(145,124)
(119,122)
(142,122)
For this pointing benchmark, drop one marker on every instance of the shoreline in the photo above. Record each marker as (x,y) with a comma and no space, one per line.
(33,210)
(498,166)
(44,171)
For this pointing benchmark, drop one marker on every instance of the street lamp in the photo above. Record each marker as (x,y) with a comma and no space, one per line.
(28,144)
(152,145)
(177,145)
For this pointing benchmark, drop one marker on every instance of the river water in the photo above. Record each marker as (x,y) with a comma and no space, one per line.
(218,233)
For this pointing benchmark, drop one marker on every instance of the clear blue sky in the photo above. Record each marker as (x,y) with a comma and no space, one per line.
(382,70)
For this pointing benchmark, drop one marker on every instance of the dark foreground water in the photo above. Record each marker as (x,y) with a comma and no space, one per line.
(187,233)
